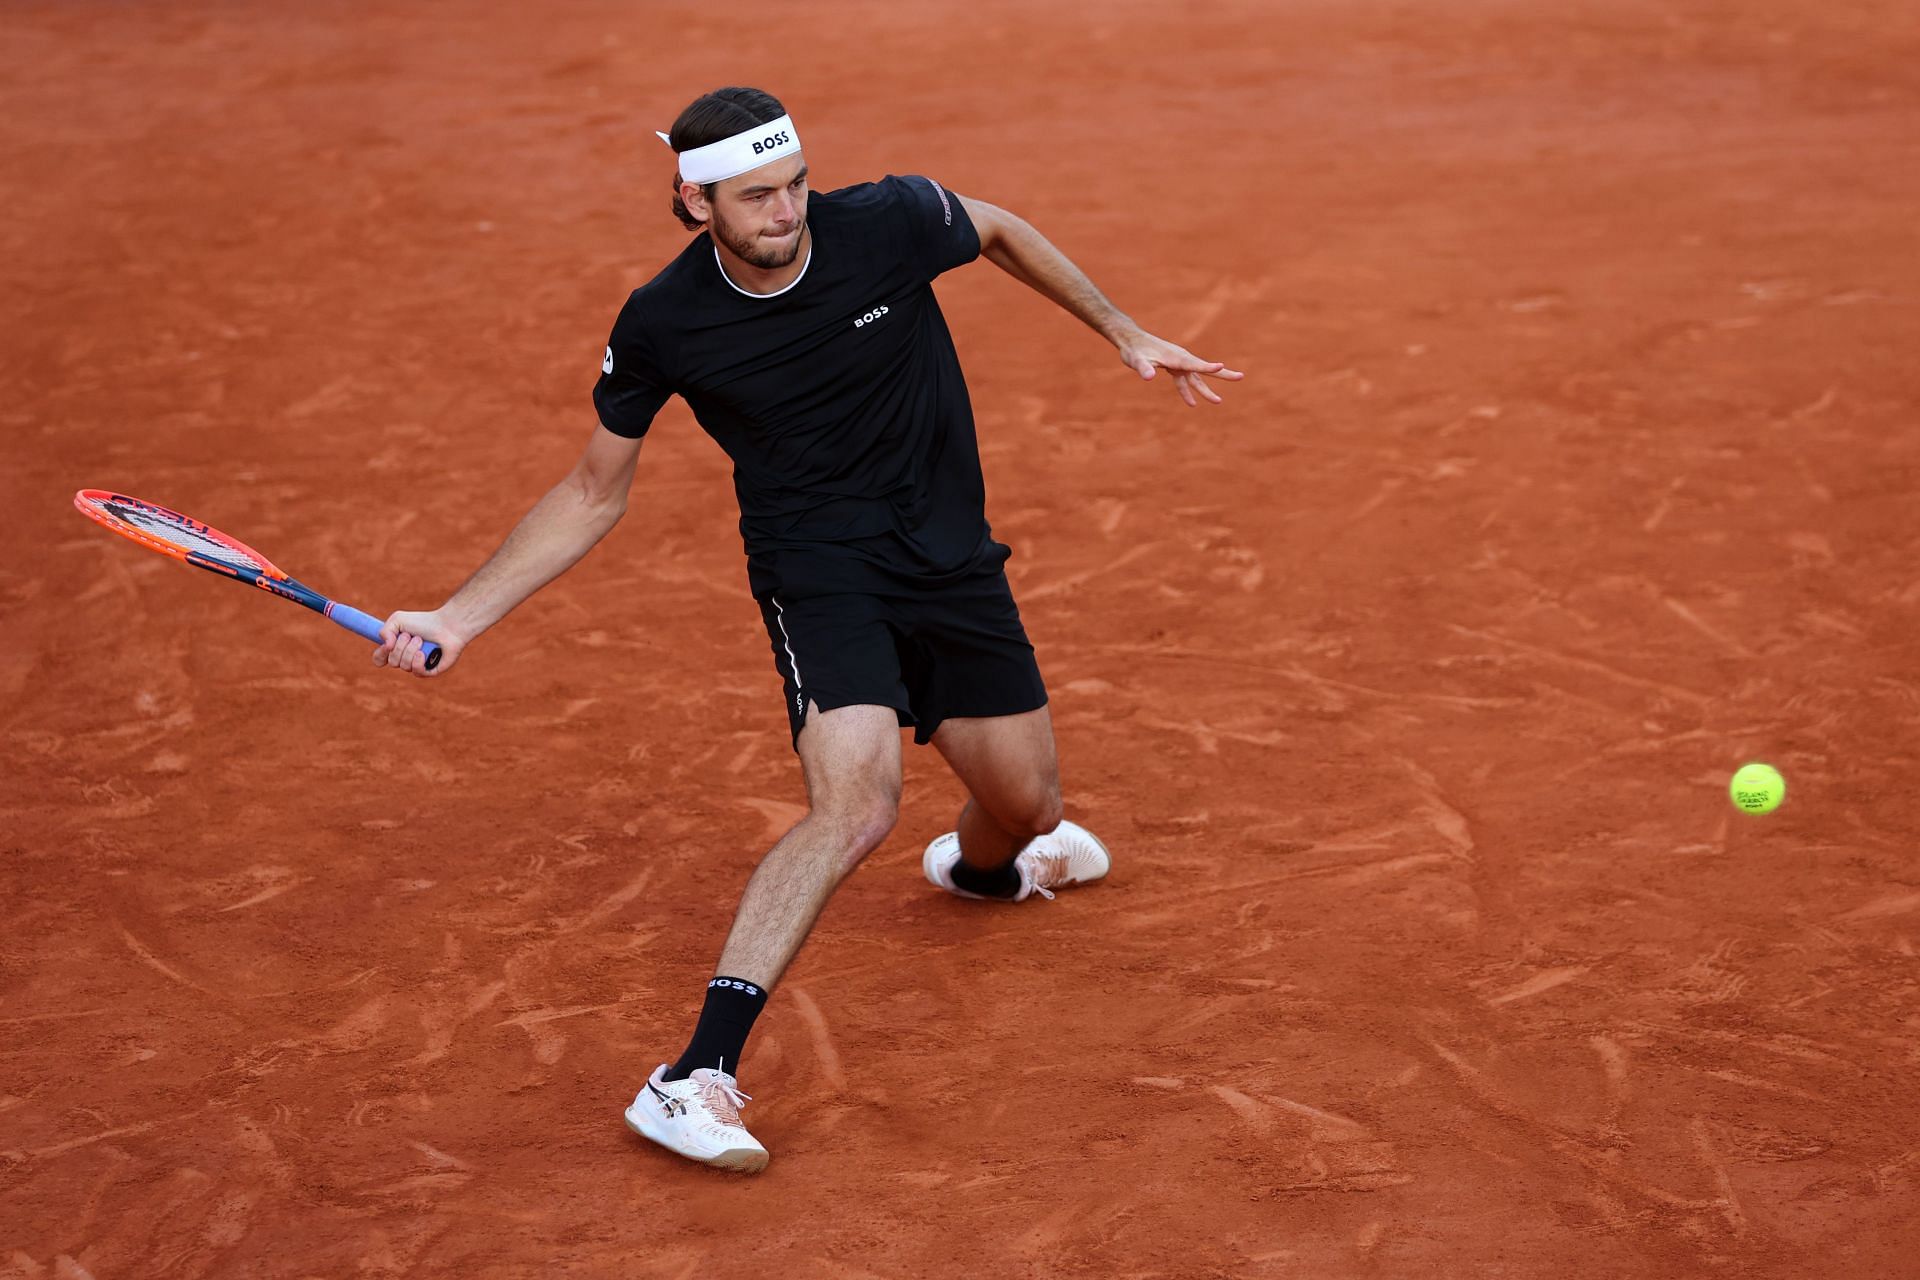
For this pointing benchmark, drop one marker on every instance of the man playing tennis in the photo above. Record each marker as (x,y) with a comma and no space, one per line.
(805,336)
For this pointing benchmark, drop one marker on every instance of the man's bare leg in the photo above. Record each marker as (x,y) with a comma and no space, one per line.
(1012,775)
(851,757)
(1011,841)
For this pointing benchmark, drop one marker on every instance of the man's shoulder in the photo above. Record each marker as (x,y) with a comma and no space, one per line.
(670,289)
(869,199)
(680,274)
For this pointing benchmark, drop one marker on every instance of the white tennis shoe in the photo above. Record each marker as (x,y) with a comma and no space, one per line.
(699,1118)
(1066,856)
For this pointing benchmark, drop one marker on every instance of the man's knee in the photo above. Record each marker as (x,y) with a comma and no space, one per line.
(861,822)
(1033,813)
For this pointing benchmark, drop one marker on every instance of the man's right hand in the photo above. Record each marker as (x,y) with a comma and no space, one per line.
(403,638)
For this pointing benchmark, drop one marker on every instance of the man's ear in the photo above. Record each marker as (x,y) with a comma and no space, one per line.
(696,201)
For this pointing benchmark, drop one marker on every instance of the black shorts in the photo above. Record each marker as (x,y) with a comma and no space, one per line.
(953,650)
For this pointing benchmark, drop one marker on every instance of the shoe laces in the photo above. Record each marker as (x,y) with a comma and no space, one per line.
(1044,869)
(721,1093)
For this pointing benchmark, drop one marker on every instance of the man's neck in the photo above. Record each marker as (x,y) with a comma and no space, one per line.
(764,279)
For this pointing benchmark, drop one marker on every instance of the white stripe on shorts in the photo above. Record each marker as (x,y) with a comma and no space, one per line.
(779,616)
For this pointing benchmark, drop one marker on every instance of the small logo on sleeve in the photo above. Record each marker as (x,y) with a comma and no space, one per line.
(944,206)
(606,362)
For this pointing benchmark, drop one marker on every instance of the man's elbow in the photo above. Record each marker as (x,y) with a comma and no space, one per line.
(599,498)
(990,222)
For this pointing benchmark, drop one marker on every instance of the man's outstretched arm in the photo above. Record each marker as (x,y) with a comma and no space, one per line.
(561,527)
(1011,244)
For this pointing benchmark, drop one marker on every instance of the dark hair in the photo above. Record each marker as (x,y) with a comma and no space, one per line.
(711,117)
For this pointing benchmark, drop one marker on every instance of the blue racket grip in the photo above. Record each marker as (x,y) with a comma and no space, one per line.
(367,626)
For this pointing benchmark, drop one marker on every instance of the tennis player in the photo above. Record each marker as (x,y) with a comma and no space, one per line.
(804,333)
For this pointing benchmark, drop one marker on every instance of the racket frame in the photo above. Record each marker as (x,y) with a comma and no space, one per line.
(269,577)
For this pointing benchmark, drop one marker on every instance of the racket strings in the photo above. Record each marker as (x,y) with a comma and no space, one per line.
(164,527)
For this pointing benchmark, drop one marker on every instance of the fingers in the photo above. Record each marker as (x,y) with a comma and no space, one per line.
(1188,371)
(400,649)
(1211,368)
(410,655)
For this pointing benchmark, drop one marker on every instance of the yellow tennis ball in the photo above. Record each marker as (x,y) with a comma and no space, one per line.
(1758,788)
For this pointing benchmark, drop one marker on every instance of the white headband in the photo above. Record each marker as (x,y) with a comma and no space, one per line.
(731,157)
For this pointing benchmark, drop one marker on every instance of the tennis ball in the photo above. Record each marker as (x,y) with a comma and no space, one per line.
(1758,788)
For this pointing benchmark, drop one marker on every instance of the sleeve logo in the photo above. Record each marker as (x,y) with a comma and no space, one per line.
(606,362)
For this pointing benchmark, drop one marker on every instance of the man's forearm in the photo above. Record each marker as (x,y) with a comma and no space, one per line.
(1029,257)
(549,540)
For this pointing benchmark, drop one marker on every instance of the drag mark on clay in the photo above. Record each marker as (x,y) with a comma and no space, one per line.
(1661,508)
(1766,1086)
(442,1022)
(781,815)
(23,1267)
(1210,308)
(1084,1218)
(440,1157)
(1539,982)
(534,1017)
(822,1038)
(1585,664)
(1334,1154)
(1327,1127)
(1729,1204)
(1894,904)
(30,1018)
(612,904)
(155,963)
(1207,737)
(1250,1112)
(1705,628)
(1613,1063)
(352,1033)
(74,1144)
(1042,590)
(1600,1165)
(286,881)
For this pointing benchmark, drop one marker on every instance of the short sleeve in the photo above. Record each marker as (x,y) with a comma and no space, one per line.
(940,235)
(632,387)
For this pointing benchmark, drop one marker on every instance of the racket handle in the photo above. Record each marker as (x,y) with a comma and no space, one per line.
(366,626)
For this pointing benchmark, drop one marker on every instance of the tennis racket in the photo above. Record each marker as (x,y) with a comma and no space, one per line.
(205,547)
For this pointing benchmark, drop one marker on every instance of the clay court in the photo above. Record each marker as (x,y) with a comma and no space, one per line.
(1576,465)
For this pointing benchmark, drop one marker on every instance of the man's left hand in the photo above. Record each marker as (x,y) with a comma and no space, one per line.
(1146,355)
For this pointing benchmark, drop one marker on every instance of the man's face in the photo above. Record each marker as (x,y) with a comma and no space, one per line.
(761,216)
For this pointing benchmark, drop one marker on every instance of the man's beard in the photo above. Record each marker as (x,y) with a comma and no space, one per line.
(751,250)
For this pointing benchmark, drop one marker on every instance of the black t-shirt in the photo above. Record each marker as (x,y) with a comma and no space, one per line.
(839,399)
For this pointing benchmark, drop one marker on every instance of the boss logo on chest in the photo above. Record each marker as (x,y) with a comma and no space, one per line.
(869,318)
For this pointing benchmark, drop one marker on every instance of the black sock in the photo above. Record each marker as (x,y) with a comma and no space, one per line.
(721,1034)
(1002,883)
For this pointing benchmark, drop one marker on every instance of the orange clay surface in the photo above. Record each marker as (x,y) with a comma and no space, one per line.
(1575,466)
